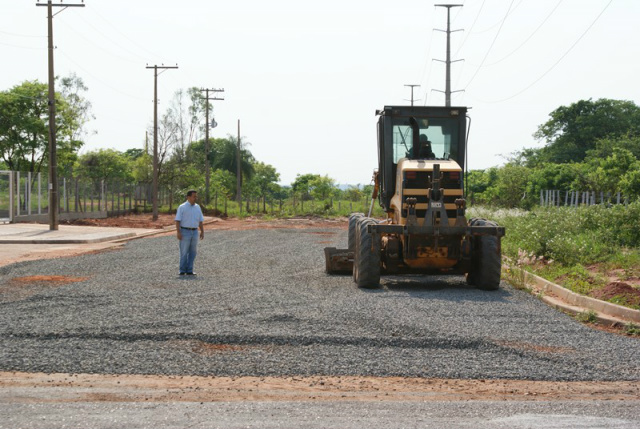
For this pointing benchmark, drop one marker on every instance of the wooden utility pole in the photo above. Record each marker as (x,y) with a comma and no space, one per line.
(53,162)
(155,135)
(238,171)
(206,140)
(447,90)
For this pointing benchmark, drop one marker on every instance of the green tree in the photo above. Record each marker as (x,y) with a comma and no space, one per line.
(302,185)
(24,124)
(322,187)
(104,164)
(264,181)
(353,193)
(224,156)
(605,175)
(313,185)
(573,130)
(630,182)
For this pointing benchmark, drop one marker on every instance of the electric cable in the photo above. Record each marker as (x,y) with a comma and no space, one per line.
(554,64)
(22,47)
(528,38)
(470,28)
(95,10)
(137,61)
(22,35)
(490,47)
(100,80)
(499,22)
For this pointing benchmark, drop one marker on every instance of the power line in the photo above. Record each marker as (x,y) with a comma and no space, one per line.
(135,60)
(491,46)
(108,85)
(22,35)
(492,26)
(530,36)
(557,62)
(125,36)
(470,28)
(21,47)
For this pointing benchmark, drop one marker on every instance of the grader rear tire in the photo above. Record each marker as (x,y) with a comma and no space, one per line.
(366,264)
(353,219)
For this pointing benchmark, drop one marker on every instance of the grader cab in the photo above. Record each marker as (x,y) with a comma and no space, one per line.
(420,185)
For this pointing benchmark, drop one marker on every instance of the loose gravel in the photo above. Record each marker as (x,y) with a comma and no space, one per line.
(262,305)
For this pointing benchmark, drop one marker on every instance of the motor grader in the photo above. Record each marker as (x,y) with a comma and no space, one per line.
(419,184)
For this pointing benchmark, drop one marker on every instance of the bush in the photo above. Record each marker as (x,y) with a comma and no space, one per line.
(569,235)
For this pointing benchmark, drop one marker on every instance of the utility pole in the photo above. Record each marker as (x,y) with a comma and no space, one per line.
(238,172)
(447,91)
(155,134)
(206,141)
(412,86)
(53,162)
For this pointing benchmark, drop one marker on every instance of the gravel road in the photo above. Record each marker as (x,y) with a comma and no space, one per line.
(261,304)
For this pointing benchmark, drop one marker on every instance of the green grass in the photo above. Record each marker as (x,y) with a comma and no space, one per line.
(574,247)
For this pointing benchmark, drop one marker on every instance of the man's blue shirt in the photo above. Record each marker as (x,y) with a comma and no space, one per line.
(189,215)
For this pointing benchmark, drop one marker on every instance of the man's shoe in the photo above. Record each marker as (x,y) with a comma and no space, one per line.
(182,274)
(191,274)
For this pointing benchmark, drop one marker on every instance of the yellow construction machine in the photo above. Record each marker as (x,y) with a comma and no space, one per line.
(419,183)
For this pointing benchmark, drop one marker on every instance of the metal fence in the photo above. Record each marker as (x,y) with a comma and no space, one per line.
(6,196)
(24,197)
(556,198)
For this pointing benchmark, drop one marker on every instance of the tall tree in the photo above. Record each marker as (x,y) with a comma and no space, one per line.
(573,130)
(265,181)
(104,164)
(24,117)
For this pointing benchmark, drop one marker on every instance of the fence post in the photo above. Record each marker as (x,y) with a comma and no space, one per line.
(18,189)
(39,195)
(28,193)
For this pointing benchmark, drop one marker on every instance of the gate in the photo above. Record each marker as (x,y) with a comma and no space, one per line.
(6,196)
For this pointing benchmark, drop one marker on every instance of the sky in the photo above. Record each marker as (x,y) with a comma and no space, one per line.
(305,78)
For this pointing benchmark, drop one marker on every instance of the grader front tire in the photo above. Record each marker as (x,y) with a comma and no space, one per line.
(487,264)
(366,264)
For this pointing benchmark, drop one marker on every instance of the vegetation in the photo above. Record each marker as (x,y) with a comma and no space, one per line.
(576,247)
(589,146)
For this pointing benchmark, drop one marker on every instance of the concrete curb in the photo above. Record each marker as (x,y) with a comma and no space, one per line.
(158,231)
(572,302)
(120,237)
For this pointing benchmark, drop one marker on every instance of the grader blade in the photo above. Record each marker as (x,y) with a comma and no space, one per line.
(338,261)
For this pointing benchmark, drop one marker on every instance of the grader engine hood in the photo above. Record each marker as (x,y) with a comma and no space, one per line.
(414,178)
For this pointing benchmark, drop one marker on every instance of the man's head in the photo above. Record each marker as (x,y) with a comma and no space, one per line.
(192,196)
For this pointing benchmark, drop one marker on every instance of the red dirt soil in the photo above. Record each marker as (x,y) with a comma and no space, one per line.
(620,290)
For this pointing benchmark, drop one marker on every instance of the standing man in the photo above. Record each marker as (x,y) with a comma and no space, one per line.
(188,219)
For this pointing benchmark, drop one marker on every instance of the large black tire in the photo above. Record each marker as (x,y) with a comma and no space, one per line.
(366,263)
(353,218)
(486,259)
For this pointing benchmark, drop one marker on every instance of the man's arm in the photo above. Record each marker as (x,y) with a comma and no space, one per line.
(201,226)
(178,230)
